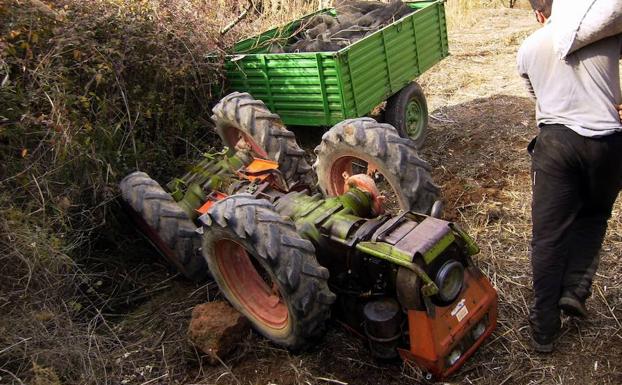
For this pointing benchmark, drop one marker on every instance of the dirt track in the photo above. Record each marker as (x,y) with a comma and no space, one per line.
(481,121)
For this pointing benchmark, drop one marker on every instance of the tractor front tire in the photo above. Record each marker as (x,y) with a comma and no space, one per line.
(267,271)
(379,145)
(238,116)
(165,224)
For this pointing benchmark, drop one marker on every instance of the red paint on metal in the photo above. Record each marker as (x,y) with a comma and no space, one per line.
(366,183)
(260,298)
(343,167)
(433,338)
(258,169)
(212,199)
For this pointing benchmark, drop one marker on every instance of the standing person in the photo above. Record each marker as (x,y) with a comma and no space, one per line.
(576,169)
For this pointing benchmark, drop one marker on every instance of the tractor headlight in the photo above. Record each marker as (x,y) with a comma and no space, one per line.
(449,280)
(453,357)
(478,330)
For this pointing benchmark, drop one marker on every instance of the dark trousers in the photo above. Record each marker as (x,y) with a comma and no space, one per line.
(575,183)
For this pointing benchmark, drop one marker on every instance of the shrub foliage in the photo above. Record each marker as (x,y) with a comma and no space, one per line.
(88,92)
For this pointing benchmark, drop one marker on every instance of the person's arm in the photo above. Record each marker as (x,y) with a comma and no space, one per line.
(530,86)
(522,71)
(619,107)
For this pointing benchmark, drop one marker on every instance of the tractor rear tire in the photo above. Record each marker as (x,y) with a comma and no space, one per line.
(240,116)
(165,224)
(407,111)
(379,144)
(267,271)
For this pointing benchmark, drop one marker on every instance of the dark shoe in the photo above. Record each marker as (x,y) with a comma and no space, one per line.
(572,306)
(544,330)
(543,343)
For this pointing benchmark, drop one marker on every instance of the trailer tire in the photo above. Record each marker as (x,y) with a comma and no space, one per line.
(165,224)
(407,111)
(377,144)
(240,116)
(244,236)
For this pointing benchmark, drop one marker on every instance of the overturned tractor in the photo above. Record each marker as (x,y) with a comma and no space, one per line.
(378,260)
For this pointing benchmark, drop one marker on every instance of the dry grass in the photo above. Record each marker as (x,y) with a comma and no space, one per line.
(465,12)
(89,91)
(482,121)
(284,13)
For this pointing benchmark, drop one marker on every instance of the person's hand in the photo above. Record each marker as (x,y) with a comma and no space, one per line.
(619,108)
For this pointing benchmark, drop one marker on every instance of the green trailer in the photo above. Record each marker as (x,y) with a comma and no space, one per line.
(325,88)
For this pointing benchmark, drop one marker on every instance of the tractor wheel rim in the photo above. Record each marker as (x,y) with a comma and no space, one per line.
(353,165)
(233,135)
(413,119)
(257,294)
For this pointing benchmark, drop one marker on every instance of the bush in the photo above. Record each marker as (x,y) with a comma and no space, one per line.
(89,91)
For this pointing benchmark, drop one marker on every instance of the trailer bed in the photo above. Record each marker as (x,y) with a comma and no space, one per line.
(324,88)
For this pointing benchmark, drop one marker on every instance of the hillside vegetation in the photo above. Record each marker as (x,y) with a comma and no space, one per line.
(89,91)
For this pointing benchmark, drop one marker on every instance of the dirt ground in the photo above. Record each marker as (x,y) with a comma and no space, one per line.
(481,121)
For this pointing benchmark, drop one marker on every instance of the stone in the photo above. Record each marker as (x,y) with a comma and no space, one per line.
(217,329)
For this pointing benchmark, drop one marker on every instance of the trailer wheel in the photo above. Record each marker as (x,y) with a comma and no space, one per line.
(167,227)
(267,271)
(241,118)
(407,111)
(366,146)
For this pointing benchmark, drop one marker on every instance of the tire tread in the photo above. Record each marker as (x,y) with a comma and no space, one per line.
(159,210)
(396,155)
(290,257)
(241,110)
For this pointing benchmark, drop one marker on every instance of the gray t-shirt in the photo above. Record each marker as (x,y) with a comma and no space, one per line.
(579,92)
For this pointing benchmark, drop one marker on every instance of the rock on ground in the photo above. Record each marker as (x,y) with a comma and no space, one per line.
(216,329)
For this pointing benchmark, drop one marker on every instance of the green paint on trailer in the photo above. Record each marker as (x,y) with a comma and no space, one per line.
(325,88)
